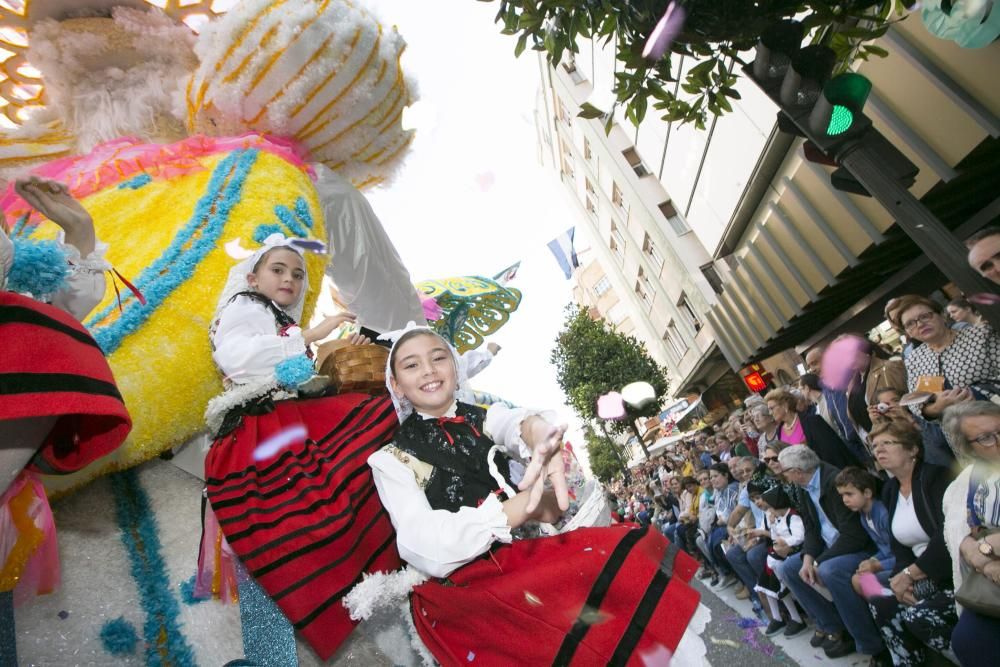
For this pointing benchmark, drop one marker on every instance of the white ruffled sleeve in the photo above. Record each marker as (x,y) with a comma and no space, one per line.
(436,542)
(371,278)
(86,284)
(473,362)
(503,426)
(246,345)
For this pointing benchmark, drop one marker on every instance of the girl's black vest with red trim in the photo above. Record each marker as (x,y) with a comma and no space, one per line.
(459,452)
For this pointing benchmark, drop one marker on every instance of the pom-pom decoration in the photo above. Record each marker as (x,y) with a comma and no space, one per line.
(39,270)
(292,372)
(325,73)
(119,637)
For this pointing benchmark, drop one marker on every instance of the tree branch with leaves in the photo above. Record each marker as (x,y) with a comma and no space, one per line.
(718,34)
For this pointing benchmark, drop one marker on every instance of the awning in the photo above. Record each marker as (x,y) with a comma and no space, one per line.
(662,443)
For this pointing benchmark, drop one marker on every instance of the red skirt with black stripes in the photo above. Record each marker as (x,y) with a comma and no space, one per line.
(307,522)
(593,596)
(51,367)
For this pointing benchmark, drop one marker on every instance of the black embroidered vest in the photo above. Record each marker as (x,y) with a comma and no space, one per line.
(459,454)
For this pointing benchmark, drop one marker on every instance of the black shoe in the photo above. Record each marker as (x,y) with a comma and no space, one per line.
(818,638)
(794,628)
(714,581)
(774,627)
(844,645)
(883,659)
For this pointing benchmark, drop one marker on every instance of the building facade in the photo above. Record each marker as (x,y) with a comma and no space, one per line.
(790,260)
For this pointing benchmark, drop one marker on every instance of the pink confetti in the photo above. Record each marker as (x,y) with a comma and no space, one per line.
(985,299)
(841,361)
(665,32)
(657,656)
(279,441)
(611,406)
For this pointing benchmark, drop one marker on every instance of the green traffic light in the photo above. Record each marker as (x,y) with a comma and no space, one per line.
(841,119)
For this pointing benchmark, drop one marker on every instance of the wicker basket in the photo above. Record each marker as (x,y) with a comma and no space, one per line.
(355,368)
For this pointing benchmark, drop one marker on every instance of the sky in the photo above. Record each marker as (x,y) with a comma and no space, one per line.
(473,197)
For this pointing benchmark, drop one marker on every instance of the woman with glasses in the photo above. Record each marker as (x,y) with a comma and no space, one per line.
(972,522)
(920,612)
(955,366)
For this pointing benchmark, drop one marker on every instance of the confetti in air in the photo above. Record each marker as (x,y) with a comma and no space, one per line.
(665,32)
(279,441)
(532,599)
(611,406)
(984,299)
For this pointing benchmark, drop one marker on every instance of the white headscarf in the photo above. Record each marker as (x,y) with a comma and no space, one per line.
(237,280)
(404,408)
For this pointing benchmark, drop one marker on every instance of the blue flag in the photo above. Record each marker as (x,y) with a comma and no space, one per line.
(562,248)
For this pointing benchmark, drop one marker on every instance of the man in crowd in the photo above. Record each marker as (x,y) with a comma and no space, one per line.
(984,253)
(835,544)
(747,557)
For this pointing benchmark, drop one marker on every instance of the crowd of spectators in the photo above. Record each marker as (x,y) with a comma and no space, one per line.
(864,500)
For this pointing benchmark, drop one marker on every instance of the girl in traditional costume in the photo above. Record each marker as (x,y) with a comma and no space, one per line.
(602,595)
(787,531)
(286,478)
(60,408)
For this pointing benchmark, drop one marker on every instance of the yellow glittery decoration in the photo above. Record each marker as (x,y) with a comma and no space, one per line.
(29,537)
(164,370)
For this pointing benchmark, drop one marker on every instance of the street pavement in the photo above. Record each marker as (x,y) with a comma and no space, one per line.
(734,638)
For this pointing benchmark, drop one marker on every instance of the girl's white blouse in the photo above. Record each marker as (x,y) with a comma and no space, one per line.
(247,347)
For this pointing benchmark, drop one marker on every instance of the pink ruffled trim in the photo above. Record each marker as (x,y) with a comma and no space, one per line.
(219,569)
(37,569)
(115,162)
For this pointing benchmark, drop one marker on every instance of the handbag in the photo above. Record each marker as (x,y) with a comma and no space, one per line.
(978,592)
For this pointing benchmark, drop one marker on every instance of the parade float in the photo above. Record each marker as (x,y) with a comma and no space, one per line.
(184,126)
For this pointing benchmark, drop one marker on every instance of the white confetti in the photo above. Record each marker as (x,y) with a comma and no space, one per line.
(279,441)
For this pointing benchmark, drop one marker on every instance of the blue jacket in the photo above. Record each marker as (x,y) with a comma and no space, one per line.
(881,535)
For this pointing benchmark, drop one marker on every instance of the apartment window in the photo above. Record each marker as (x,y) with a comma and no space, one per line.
(616,234)
(587,154)
(688,312)
(616,195)
(602,286)
(675,342)
(563,113)
(634,161)
(591,207)
(617,250)
(647,285)
(617,313)
(712,276)
(641,289)
(677,223)
(649,248)
(574,74)
(567,166)
(590,187)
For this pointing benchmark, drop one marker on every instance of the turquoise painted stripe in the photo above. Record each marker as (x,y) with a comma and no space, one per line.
(289,220)
(303,213)
(166,645)
(177,264)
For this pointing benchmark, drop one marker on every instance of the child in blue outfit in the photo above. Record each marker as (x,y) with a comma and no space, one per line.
(859,490)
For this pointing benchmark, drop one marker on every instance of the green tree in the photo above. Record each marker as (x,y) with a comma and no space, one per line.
(604,461)
(592,359)
(719,34)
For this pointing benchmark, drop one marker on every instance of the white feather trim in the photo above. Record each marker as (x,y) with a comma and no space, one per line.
(236,396)
(378,590)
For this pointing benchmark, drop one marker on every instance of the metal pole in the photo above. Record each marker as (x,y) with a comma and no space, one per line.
(936,241)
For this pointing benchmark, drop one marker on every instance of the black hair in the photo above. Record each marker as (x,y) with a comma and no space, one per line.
(777,498)
(811,380)
(722,469)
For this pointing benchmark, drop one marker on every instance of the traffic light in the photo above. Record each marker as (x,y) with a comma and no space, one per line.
(828,111)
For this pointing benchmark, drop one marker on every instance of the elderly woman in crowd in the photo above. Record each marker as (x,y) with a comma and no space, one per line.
(955,365)
(920,613)
(835,544)
(769,457)
(807,428)
(972,523)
